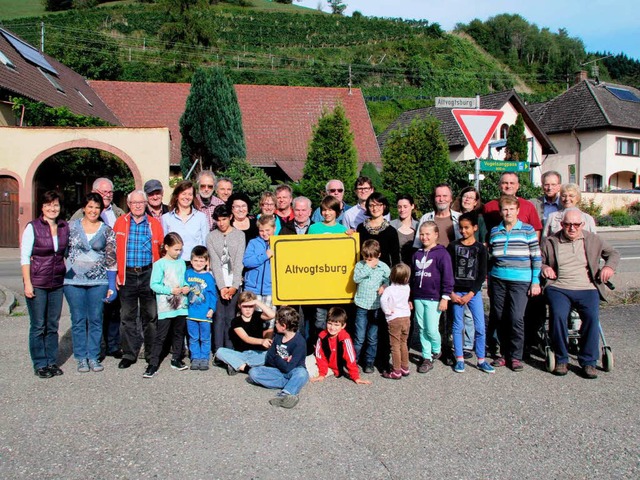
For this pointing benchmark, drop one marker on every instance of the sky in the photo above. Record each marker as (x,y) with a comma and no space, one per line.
(603,25)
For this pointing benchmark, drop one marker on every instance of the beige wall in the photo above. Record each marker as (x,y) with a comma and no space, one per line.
(144,150)
(6,115)
(610,201)
(597,155)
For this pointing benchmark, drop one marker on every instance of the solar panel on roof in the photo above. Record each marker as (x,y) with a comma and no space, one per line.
(28,52)
(624,94)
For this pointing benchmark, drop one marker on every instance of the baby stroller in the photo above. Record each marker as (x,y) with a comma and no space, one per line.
(574,337)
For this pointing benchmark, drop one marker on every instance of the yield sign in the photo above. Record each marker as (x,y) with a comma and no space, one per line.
(477,126)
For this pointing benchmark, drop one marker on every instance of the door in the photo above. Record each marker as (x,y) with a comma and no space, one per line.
(9,212)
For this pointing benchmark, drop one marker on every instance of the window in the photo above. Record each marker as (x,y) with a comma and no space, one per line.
(84,98)
(6,61)
(627,146)
(504,130)
(52,80)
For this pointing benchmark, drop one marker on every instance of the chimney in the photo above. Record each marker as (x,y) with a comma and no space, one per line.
(580,76)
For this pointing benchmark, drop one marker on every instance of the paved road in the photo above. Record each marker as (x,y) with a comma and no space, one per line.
(115,424)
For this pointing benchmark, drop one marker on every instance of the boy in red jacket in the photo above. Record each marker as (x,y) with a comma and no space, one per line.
(334,349)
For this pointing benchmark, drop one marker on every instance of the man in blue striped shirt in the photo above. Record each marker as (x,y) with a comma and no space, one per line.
(514,275)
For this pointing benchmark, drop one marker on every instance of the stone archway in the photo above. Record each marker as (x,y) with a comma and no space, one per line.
(145,151)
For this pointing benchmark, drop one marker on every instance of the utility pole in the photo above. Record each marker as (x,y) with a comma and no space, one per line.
(42,37)
(350,83)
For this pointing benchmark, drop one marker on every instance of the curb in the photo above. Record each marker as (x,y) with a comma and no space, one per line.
(630,228)
(10,301)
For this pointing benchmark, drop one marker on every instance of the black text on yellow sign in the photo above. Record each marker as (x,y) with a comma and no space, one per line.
(313,269)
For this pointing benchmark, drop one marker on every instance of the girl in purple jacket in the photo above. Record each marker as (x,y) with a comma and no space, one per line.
(431,287)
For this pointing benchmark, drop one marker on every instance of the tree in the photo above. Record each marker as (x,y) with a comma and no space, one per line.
(517,146)
(332,154)
(247,179)
(337,7)
(415,159)
(211,125)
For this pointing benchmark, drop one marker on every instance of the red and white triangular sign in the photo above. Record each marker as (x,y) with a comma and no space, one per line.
(477,126)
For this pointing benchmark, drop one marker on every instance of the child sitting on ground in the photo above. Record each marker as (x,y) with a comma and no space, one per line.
(372,276)
(248,335)
(396,307)
(284,366)
(334,349)
(202,304)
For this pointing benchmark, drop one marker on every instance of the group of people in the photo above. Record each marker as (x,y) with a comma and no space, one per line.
(199,268)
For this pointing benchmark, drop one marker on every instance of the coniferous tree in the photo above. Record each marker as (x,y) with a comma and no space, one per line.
(211,125)
(332,154)
(415,159)
(517,146)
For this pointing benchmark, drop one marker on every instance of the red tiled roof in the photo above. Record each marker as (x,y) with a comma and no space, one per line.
(277,120)
(26,80)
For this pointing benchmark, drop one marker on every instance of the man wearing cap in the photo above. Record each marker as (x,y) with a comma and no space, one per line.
(205,198)
(154,190)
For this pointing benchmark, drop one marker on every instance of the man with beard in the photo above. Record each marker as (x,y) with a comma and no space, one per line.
(445,218)
(207,201)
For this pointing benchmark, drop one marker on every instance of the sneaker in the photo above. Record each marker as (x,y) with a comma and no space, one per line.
(486,368)
(499,362)
(404,371)
(83,366)
(285,401)
(231,371)
(516,365)
(459,367)
(436,356)
(55,370)
(590,372)
(95,366)
(150,371)
(204,364)
(425,366)
(368,368)
(178,364)
(195,364)
(467,354)
(561,369)
(277,401)
(393,374)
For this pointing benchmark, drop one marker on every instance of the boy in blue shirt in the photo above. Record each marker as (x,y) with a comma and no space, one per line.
(202,304)
(284,366)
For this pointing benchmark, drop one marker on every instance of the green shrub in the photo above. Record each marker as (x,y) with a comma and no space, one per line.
(591,207)
(619,217)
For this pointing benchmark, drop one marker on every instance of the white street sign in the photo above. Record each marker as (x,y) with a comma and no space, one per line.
(456,102)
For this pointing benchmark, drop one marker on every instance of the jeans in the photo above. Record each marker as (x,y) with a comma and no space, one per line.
(199,339)
(367,322)
(44,314)
(136,292)
(469,329)
(252,358)
(587,304)
(85,305)
(270,377)
(509,301)
(428,320)
(225,313)
(476,309)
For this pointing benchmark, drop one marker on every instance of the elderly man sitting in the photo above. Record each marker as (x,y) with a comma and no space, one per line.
(574,279)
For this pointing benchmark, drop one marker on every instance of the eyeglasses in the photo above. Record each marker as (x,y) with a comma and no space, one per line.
(239,207)
(363,189)
(106,193)
(268,204)
(572,225)
(376,205)
(336,190)
(137,204)
(210,187)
